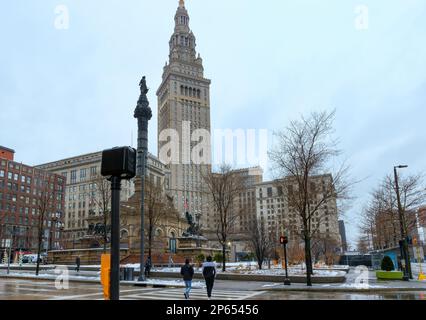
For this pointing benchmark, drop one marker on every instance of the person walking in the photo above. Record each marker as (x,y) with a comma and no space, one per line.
(209,273)
(187,271)
(148,266)
(77,263)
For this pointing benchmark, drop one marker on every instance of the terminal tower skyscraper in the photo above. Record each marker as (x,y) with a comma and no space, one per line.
(184,120)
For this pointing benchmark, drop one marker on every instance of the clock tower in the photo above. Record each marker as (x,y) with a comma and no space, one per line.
(183,117)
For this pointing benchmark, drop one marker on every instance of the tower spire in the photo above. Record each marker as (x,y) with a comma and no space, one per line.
(182,3)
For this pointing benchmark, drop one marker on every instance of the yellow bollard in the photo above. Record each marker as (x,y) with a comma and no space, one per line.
(105,274)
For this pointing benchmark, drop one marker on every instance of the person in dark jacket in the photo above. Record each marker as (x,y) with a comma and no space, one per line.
(187,271)
(209,273)
(148,265)
(77,263)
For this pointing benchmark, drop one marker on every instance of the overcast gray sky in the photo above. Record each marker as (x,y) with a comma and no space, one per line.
(65,92)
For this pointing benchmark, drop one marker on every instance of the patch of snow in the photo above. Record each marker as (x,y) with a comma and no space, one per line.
(416,267)
(271,285)
(317,273)
(360,286)
(195,284)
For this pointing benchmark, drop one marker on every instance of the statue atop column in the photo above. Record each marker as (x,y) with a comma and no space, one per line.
(142,85)
(142,107)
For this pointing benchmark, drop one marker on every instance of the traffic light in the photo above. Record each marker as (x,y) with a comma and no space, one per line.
(283,239)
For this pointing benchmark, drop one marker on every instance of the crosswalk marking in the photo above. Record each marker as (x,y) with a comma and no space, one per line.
(196,294)
(36,289)
(80,296)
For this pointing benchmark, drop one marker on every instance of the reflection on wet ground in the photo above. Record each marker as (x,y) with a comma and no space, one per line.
(343,296)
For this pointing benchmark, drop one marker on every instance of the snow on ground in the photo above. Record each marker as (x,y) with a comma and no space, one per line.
(252,269)
(268,285)
(317,273)
(416,267)
(180,283)
(50,276)
(361,286)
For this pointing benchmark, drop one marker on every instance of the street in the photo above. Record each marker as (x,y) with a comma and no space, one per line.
(30,289)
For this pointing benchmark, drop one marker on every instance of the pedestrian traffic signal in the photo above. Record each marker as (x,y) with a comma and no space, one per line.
(283,240)
(119,162)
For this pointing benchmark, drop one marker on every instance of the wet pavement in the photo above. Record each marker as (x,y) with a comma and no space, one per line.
(293,295)
(19,289)
(32,289)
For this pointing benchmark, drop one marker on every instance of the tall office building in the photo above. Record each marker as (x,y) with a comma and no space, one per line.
(183,117)
(342,232)
(81,175)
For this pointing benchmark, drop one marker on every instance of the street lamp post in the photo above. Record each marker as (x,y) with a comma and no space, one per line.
(10,248)
(403,242)
(143,113)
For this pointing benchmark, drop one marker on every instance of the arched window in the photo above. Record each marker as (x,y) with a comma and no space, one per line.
(198,93)
(186,91)
(190,92)
(124,234)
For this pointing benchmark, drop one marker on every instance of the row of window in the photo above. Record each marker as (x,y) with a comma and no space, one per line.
(83,174)
(190,92)
(15,177)
(12,208)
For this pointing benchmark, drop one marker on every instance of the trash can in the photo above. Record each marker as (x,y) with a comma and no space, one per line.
(122,273)
(129,275)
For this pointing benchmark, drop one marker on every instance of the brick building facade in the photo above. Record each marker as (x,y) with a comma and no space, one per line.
(24,190)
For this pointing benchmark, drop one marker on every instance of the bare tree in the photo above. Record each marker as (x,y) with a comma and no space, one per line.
(295,252)
(325,248)
(157,207)
(362,245)
(45,205)
(304,150)
(259,241)
(100,198)
(380,219)
(224,188)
